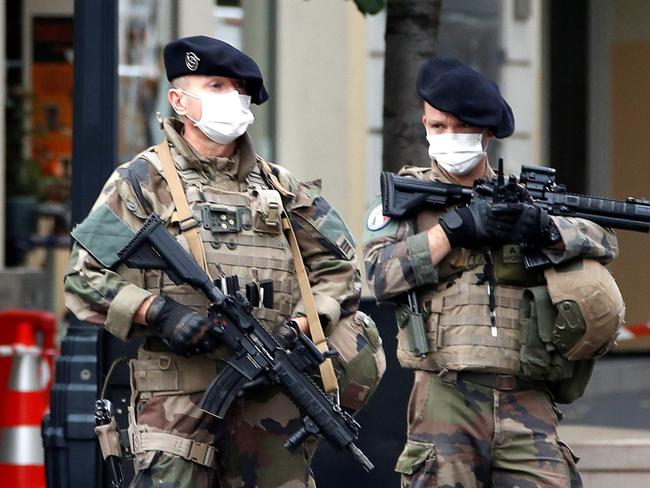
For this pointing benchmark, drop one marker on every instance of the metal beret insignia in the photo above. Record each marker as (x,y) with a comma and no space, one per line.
(191,61)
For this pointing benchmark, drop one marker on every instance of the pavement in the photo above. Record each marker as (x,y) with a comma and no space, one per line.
(609,427)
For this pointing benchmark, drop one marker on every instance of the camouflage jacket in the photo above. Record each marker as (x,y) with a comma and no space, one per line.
(397,258)
(110,294)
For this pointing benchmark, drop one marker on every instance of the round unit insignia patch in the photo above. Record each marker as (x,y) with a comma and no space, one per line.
(191,61)
(376,219)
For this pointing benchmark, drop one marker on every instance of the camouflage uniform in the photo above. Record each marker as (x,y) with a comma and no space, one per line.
(249,440)
(475,419)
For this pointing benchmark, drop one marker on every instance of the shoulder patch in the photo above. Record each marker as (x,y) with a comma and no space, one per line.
(376,219)
(103,234)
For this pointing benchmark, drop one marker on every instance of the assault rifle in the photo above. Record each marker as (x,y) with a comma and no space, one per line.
(257,357)
(402,196)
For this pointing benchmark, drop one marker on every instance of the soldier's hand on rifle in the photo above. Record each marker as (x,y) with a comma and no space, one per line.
(287,333)
(186,332)
(532,226)
(475,225)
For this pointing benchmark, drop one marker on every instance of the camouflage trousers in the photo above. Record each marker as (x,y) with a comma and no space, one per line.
(465,435)
(249,443)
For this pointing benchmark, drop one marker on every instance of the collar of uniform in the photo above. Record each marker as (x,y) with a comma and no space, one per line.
(240,164)
(227,165)
(247,157)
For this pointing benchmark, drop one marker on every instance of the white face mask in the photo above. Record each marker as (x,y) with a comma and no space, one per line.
(224,116)
(457,153)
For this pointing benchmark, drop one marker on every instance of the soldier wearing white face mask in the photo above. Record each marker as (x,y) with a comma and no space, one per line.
(224,116)
(482,408)
(232,210)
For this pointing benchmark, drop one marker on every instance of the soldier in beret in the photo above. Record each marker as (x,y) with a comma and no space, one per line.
(207,164)
(482,408)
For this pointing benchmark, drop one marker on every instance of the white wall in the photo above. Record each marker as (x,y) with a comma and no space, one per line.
(521,85)
(256,36)
(598,136)
(375,101)
(195,17)
(627,53)
(609,22)
(321,99)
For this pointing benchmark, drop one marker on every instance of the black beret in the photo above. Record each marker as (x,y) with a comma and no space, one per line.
(453,87)
(202,55)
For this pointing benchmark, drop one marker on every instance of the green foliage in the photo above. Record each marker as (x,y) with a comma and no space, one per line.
(23,174)
(371,7)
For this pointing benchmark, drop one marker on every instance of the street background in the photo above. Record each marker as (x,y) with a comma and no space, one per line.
(343,107)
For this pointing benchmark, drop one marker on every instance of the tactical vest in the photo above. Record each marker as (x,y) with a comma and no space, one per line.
(242,236)
(458,324)
(459,328)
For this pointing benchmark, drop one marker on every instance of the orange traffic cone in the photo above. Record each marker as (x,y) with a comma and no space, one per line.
(6,355)
(21,447)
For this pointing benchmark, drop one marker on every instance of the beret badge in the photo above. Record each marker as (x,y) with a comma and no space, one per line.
(191,61)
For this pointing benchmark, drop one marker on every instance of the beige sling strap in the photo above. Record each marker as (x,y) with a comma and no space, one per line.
(330,382)
(183,215)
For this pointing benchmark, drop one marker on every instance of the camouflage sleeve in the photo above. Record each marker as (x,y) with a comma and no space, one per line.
(327,248)
(97,289)
(582,238)
(396,258)
(98,295)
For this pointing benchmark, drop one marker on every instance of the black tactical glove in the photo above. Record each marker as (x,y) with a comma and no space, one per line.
(475,225)
(287,334)
(533,225)
(186,332)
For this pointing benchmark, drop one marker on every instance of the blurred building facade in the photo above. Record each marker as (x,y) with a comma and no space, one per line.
(580,96)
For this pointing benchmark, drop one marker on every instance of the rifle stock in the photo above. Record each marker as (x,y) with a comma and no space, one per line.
(402,196)
(154,248)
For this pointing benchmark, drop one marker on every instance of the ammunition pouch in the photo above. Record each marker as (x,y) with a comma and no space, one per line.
(539,357)
(416,333)
(163,374)
(570,389)
(266,210)
(361,362)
